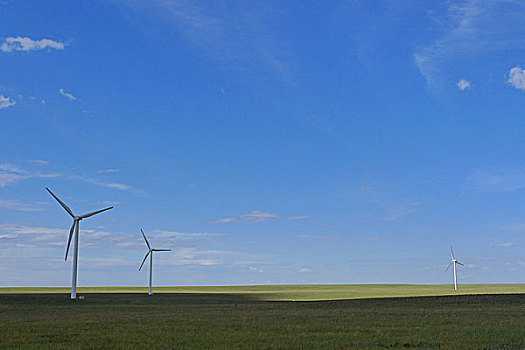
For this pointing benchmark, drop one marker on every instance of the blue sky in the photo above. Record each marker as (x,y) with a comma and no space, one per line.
(350,142)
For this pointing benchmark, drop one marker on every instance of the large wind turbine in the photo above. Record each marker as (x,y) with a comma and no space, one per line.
(74,228)
(150,253)
(454,261)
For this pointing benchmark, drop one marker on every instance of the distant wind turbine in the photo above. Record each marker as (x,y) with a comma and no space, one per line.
(74,228)
(454,261)
(150,253)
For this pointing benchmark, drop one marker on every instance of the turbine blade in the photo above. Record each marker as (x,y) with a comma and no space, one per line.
(75,222)
(448,266)
(61,203)
(161,250)
(147,243)
(143,261)
(460,263)
(95,212)
(452,252)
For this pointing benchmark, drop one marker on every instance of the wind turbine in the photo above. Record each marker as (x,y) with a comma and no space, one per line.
(74,228)
(150,253)
(454,261)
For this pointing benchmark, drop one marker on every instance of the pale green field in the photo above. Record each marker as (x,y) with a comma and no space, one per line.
(300,292)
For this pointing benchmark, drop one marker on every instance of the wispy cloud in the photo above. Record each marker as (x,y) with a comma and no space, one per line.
(258,216)
(321,237)
(300,217)
(498,180)
(108,171)
(238,32)
(10,174)
(464,85)
(517,78)
(472,27)
(27,44)
(505,245)
(65,94)
(17,205)
(40,162)
(223,221)
(403,210)
(6,102)
(184,235)
(114,185)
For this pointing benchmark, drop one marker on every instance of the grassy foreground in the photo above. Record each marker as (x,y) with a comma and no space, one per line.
(299,292)
(237,321)
(244,318)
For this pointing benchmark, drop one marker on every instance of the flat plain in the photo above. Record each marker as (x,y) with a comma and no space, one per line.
(335,316)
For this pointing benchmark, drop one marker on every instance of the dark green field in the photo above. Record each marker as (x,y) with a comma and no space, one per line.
(243,321)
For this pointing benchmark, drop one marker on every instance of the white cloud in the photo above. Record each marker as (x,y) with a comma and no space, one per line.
(40,162)
(255,269)
(258,216)
(6,102)
(108,171)
(517,78)
(237,32)
(223,221)
(17,205)
(27,44)
(113,185)
(65,94)
(328,238)
(464,85)
(184,235)
(121,187)
(498,180)
(306,270)
(471,29)
(403,210)
(300,217)
(10,174)
(505,245)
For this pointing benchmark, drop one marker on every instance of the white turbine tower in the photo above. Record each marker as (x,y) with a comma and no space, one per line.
(454,261)
(74,228)
(150,253)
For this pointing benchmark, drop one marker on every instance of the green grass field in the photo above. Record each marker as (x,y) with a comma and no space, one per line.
(308,292)
(250,317)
